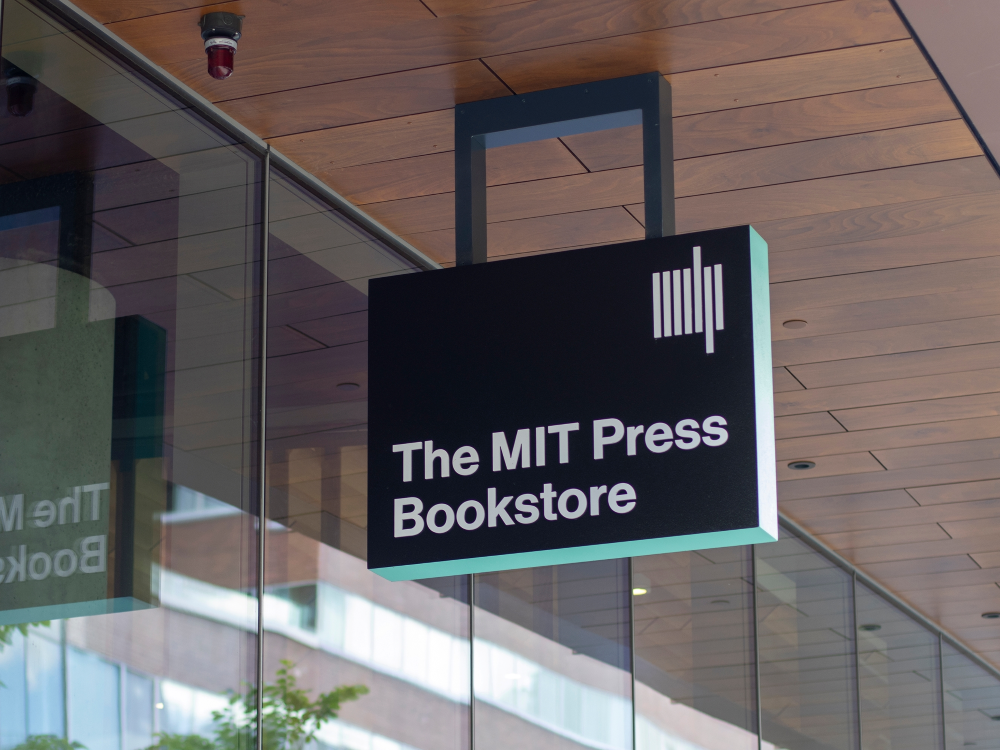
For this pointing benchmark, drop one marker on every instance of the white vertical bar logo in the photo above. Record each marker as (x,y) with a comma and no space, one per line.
(689,300)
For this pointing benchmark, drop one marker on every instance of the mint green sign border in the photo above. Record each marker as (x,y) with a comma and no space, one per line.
(767,485)
(73,609)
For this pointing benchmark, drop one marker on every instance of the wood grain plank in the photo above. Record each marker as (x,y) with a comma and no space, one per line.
(803,425)
(692,10)
(886,392)
(560,231)
(958,243)
(780,34)
(886,341)
(926,566)
(624,186)
(854,540)
(932,455)
(898,479)
(427,175)
(784,122)
(918,412)
(829,157)
(868,189)
(893,283)
(888,438)
(370,142)
(987,559)
(875,224)
(328,56)
(351,15)
(388,96)
(972,576)
(909,516)
(957,493)
(828,466)
(783,380)
(865,316)
(906,365)
(915,551)
(810,510)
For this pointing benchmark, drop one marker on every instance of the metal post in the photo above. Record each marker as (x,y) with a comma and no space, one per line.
(631,641)
(540,115)
(756,647)
(472,661)
(857,657)
(944,733)
(265,196)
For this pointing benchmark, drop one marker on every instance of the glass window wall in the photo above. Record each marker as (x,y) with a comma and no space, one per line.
(130,312)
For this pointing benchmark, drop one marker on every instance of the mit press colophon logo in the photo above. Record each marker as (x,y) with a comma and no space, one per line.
(688,301)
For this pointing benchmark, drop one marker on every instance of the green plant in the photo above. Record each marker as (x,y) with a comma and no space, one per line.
(48,742)
(7,637)
(290,719)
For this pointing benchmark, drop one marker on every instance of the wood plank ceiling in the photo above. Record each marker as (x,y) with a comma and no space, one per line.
(818,122)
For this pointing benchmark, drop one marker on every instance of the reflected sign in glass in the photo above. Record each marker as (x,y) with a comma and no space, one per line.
(599,403)
(81,430)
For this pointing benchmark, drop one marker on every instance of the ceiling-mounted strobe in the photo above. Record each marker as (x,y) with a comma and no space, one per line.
(221,32)
(21,89)
(585,108)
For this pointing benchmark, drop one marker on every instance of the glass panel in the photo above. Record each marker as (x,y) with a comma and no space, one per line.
(406,644)
(898,672)
(13,689)
(694,657)
(552,657)
(807,662)
(971,703)
(128,241)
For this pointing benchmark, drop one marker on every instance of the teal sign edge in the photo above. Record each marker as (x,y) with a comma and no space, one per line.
(73,609)
(767,483)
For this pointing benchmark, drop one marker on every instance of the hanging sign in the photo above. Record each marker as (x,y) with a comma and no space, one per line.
(598,403)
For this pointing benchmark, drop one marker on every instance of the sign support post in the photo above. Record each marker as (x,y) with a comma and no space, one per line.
(585,108)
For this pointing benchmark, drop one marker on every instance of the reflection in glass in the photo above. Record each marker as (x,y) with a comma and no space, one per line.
(898,673)
(971,703)
(807,661)
(338,624)
(128,236)
(552,657)
(694,656)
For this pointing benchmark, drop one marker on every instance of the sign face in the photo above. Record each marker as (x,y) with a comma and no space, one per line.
(599,403)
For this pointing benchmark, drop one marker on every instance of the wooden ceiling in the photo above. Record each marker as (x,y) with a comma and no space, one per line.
(818,122)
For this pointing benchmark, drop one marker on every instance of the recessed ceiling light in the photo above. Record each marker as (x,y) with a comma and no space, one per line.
(639,592)
(991,615)
(794,324)
(720,601)
(347,386)
(801,465)
(870,627)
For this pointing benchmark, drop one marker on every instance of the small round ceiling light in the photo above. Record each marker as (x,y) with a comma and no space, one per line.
(221,32)
(991,615)
(801,465)
(347,386)
(639,591)
(794,324)
(870,627)
(720,601)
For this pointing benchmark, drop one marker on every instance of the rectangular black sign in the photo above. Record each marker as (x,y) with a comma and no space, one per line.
(591,404)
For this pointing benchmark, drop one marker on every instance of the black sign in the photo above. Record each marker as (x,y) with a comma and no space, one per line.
(598,403)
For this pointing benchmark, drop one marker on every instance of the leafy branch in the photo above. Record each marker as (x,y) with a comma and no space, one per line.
(290,719)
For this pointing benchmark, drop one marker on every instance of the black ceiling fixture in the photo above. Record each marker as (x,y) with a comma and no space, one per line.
(21,89)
